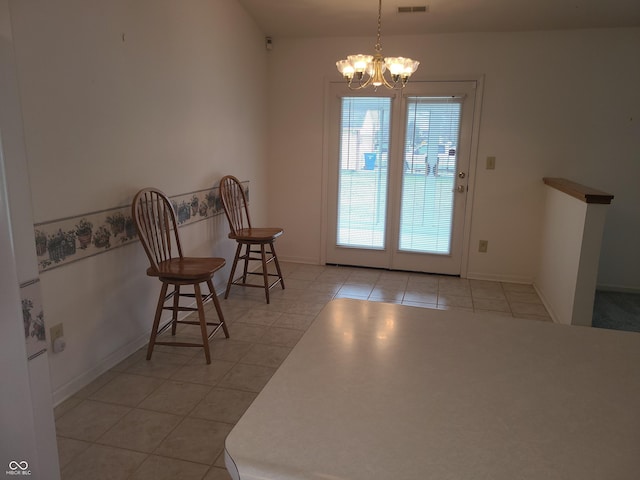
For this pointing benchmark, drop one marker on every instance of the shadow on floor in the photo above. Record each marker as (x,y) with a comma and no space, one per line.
(617,311)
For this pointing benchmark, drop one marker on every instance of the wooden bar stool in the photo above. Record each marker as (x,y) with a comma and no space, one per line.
(258,243)
(157,228)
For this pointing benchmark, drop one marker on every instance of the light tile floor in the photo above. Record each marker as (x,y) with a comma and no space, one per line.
(167,418)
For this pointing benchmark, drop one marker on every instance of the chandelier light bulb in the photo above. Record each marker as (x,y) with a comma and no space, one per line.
(396,65)
(410,66)
(360,62)
(345,68)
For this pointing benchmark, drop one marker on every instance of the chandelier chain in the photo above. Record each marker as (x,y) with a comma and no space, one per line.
(378,46)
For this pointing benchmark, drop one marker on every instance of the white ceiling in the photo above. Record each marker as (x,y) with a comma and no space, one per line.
(336,18)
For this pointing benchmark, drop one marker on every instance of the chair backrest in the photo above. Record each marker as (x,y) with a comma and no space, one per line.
(155,220)
(234,202)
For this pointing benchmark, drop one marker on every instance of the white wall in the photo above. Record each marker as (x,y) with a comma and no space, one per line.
(570,244)
(18,438)
(26,407)
(559,103)
(121,95)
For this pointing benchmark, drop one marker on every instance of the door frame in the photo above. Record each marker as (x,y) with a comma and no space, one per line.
(473,163)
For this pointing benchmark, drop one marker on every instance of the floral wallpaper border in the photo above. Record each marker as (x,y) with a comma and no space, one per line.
(33,318)
(60,242)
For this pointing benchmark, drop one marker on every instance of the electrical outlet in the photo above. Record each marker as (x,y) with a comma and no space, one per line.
(55,332)
(483,245)
(491,163)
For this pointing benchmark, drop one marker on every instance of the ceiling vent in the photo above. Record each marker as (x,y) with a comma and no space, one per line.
(420,9)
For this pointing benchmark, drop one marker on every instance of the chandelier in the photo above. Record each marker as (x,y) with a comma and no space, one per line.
(354,67)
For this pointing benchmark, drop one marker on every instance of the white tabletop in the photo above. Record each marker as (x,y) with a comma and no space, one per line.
(380,391)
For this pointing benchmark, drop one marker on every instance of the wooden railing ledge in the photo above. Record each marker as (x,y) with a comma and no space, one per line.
(581,192)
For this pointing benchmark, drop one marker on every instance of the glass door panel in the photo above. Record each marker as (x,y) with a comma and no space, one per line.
(362,172)
(432,127)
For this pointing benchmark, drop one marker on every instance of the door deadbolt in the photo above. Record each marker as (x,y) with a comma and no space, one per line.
(461,174)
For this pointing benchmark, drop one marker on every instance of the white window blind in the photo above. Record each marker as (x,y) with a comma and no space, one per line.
(362,176)
(428,181)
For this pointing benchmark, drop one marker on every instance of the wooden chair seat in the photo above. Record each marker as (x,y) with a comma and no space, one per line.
(187,268)
(236,209)
(257,235)
(155,221)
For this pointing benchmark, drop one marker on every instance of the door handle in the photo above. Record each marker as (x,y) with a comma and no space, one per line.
(461,188)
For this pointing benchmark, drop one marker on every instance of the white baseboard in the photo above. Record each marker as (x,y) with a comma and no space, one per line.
(72,387)
(618,288)
(499,278)
(546,304)
(304,260)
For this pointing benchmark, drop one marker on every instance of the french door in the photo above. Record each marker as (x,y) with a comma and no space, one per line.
(398,176)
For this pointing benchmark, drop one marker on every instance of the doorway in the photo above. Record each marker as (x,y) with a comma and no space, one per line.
(398,176)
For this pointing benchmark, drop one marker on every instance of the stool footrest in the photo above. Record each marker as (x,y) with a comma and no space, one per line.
(253,285)
(217,325)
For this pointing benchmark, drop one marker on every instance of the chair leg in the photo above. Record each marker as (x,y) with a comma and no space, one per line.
(265,272)
(203,323)
(176,304)
(216,303)
(275,259)
(156,320)
(247,255)
(233,270)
